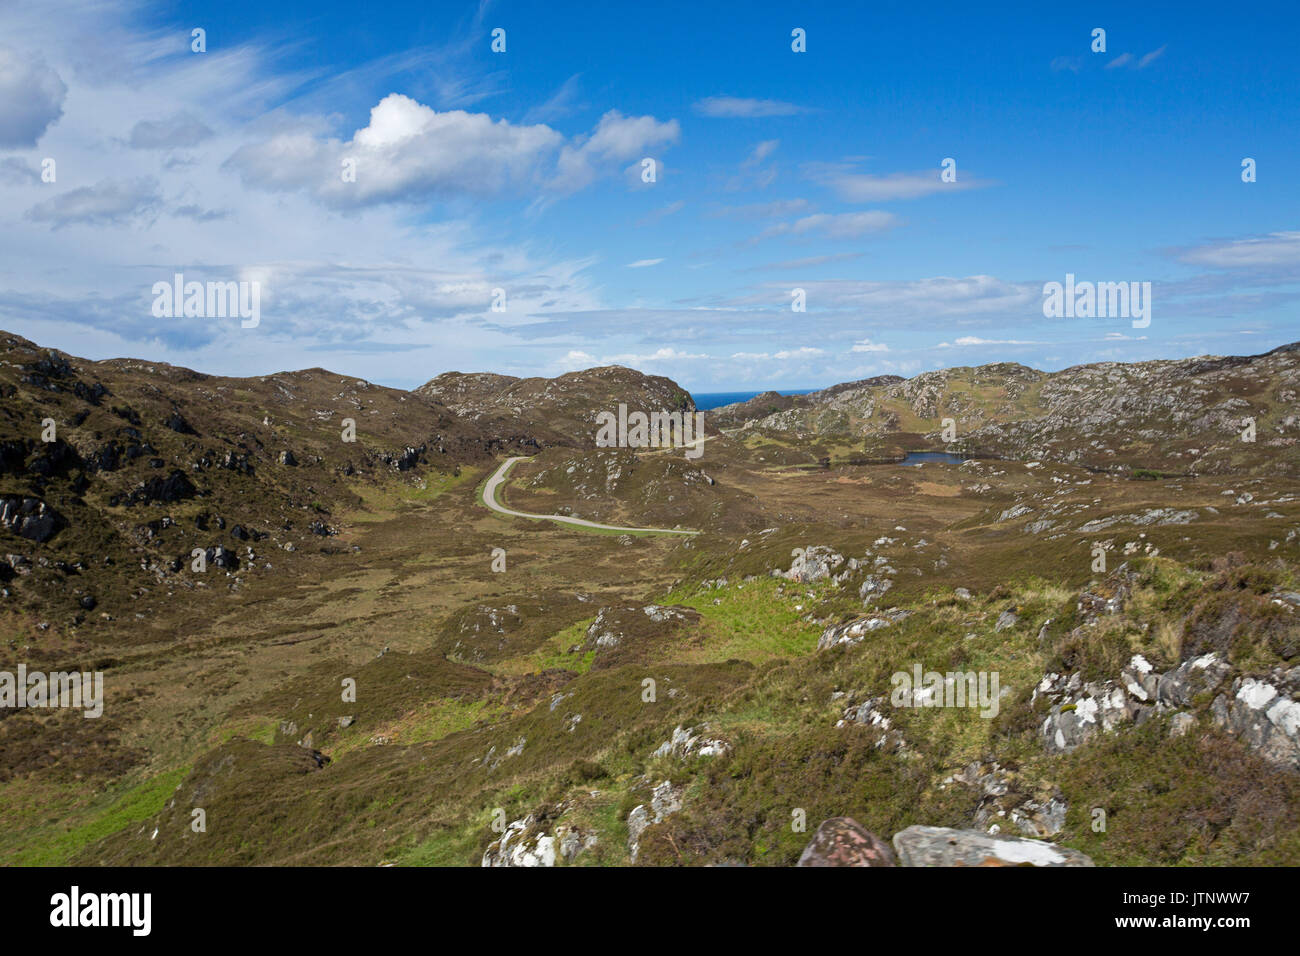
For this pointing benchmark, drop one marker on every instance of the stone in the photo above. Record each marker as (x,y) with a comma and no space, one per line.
(851,632)
(943,846)
(842,841)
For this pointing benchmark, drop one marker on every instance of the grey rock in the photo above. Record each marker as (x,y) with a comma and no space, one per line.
(942,846)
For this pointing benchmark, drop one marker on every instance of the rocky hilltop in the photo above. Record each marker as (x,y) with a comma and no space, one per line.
(1183,417)
(567,405)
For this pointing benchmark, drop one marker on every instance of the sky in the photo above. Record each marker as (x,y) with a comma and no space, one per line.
(526,170)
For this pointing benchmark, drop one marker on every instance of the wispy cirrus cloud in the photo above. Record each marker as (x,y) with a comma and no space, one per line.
(745,108)
(843,225)
(1274,249)
(849,185)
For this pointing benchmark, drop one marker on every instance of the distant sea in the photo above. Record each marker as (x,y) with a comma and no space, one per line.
(707,400)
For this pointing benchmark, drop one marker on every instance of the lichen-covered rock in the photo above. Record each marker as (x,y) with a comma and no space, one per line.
(1036,809)
(1264,715)
(851,632)
(842,841)
(942,846)
(813,564)
(686,743)
(665,800)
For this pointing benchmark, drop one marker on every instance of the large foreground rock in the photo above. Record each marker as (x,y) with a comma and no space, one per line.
(941,846)
(842,841)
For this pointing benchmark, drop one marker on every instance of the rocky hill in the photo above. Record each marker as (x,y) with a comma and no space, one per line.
(1182,417)
(566,405)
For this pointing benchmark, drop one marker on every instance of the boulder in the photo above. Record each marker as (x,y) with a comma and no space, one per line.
(30,518)
(842,841)
(942,846)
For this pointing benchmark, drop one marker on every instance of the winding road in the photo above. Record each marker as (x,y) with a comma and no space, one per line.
(499,476)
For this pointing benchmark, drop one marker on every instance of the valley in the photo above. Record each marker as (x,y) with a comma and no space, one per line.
(686,656)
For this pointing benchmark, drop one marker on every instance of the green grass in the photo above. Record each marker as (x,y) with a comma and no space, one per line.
(134,805)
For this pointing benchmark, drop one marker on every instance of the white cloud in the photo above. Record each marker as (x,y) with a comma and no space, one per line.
(866,345)
(407,152)
(643,263)
(969,340)
(662,212)
(1275,249)
(31,98)
(735,106)
(763,210)
(851,186)
(760,152)
(616,138)
(844,225)
(183,130)
(110,201)
(1150,58)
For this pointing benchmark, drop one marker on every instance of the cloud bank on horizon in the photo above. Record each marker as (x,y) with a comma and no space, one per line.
(754,197)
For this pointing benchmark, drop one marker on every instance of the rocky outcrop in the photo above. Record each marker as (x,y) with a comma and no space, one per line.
(665,800)
(813,564)
(525,842)
(1264,715)
(615,625)
(1007,798)
(686,743)
(30,518)
(1261,711)
(852,632)
(941,846)
(175,487)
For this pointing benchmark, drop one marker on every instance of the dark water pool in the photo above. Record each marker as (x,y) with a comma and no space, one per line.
(918,458)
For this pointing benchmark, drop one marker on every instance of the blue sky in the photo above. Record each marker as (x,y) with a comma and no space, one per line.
(521,171)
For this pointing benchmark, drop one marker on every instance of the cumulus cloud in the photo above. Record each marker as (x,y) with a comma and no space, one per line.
(735,106)
(866,345)
(181,131)
(31,98)
(108,202)
(616,138)
(408,151)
